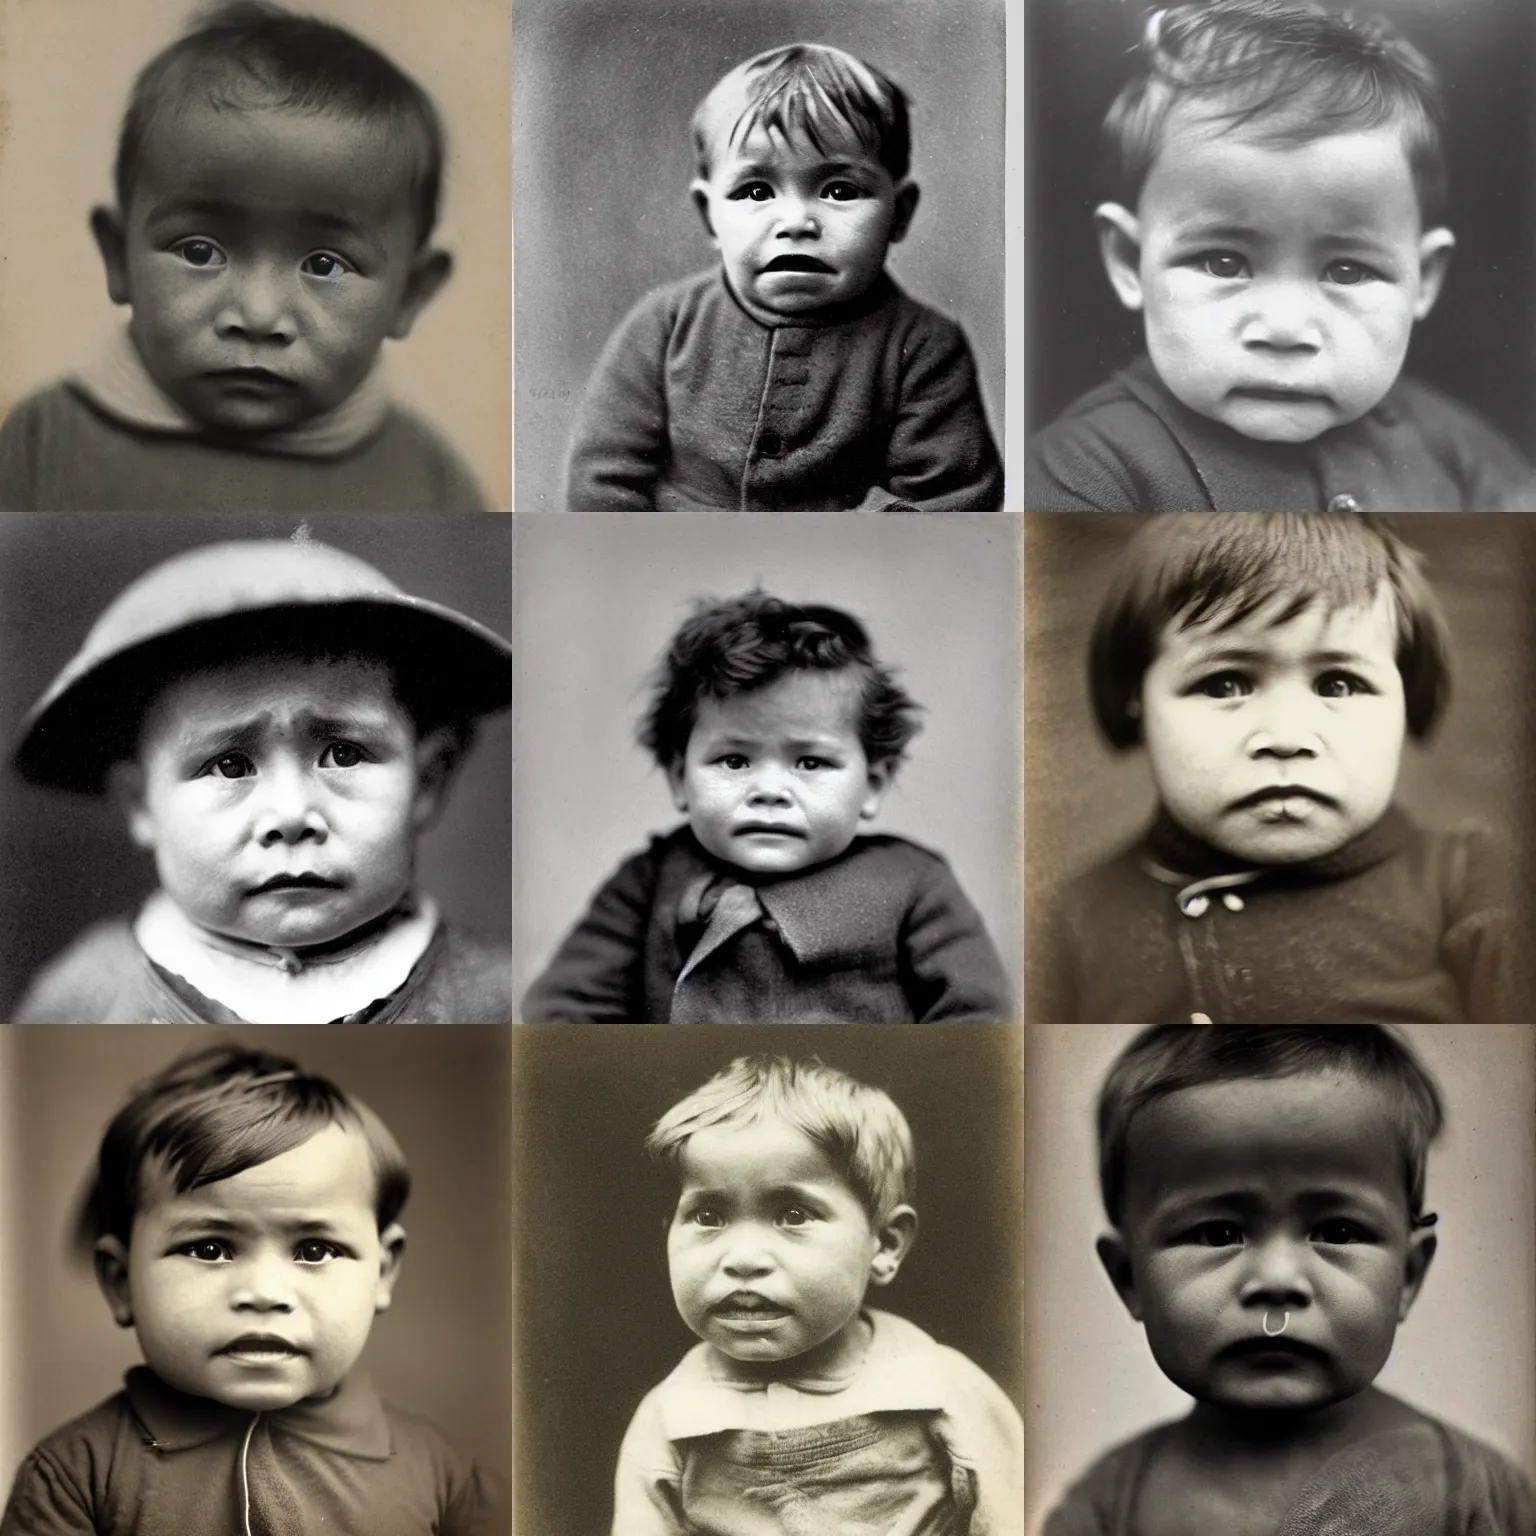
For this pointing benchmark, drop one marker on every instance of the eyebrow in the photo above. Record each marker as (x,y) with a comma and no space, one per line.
(246,730)
(1204,656)
(234,1226)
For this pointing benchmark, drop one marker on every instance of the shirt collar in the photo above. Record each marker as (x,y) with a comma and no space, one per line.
(117,381)
(350,1421)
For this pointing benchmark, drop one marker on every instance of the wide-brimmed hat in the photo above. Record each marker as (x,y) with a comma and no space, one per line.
(248,597)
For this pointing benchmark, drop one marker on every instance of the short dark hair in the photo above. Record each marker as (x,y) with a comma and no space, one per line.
(215,1112)
(736,645)
(1221,567)
(1169,1057)
(808,90)
(1299,70)
(250,53)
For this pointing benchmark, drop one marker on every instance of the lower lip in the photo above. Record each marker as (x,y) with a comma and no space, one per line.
(296,890)
(768,833)
(796,272)
(749,1319)
(1280,397)
(260,1357)
(253,383)
(1284,808)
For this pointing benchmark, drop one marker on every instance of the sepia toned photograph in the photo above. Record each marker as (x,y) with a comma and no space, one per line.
(768,1276)
(256,1281)
(258,768)
(1280,1279)
(1275,769)
(255,257)
(767,770)
(1279,256)
(759,255)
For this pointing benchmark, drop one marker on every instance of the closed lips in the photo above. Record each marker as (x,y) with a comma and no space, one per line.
(296,883)
(1282,792)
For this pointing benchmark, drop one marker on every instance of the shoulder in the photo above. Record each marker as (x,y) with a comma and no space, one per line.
(886,852)
(684,296)
(1091,1502)
(38,433)
(83,982)
(1489,1480)
(448,481)
(1494,474)
(467,981)
(67,1473)
(55,402)
(922,322)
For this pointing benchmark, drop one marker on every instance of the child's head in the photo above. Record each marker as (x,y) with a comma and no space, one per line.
(1276,217)
(244,1222)
(801,177)
(277,188)
(1271,664)
(278,723)
(777,729)
(1267,1181)
(796,1183)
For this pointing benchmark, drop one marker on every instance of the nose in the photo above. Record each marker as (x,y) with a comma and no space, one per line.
(1278,1275)
(262,1283)
(798,217)
(258,306)
(1283,318)
(289,810)
(1287,728)
(749,1255)
(769,786)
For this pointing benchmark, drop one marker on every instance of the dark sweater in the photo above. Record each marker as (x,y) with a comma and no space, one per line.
(1131,446)
(696,406)
(881,934)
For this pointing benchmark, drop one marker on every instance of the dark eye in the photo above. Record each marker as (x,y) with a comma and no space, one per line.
(1224,264)
(732,760)
(1225,685)
(706,1216)
(234,765)
(1338,1230)
(324,264)
(811,764)
(842,191)
(1348,273)
(1217,1234)
(315,1250)
(795,1216)
(208,1250)
(341,754)
(1340,685)
(753,192)
(200,253)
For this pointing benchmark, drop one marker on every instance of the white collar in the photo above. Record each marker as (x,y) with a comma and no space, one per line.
(119,383)
(256,983)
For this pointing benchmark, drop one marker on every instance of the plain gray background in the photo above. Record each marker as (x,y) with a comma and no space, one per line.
(603,92)
(1468,1350)
(599,596)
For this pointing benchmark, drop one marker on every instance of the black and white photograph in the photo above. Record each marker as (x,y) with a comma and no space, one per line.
(256,256)
(760,255)
(1277,768)
(258,768)
(1279,255)
(1280,1279)
(801,1307)
(767,769)
(278,1298)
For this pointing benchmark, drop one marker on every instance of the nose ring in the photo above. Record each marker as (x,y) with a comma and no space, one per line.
(1274,1333)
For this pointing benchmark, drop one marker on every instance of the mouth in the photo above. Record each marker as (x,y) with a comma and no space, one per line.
(1284,802)
(799,264)
(766,829)
(1280,395)
(264,1347)
(252,380)
(747,1307)
(300,882)
(1262,1347)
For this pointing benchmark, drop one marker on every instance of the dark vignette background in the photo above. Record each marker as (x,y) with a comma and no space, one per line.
(1479,343)
(443,1350)
(603,91)
(66,860)
(596,1327)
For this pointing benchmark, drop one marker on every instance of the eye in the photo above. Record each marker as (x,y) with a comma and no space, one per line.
(207,1250)
(1348,273)
(1217,1234)
(1224,264)
(324,264)
(1338,1230)
(1340,685)
(733,760)
(233,765)
(811,764)
(842,191)
(795,1216)
(315,1250)
(753,192)
(705,1216)
(342,754)
(1225,685)
(203,254)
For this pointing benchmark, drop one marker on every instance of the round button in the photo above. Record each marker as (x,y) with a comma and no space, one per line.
(1343,502)
(1232,902)
(770,445)
(1199,1018)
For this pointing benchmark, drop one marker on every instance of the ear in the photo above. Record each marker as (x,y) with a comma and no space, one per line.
(112,242)
(698,190)
(429,271)
(391,1255)
(676,784)
(1120,249)
(111,1260)
(895,1238)
(438,755)
(1435,248)
(907,196)
(125,785)
(880,776)
(1116,1259)
(1421,1250)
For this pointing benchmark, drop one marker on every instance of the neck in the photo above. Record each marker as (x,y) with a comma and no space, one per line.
(1240,1433)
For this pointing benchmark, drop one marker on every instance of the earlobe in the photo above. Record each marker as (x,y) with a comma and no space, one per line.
(112,242)
(880,776)
(438,754)
(1435,249)
(1120,250)
(679,788)
(125,786)
(699,192)
(1116,1259)
(1421,1251)
(111,1260)
(391,1255)
(895,1238)
(907,198)
(430,270)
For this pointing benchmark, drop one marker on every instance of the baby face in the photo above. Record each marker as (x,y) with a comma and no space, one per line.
(1277,739)
(259,1290)
(776,780)
(1256,1199)
(799,230)
(770,1251)
(281,797)
(266,256)
(1280,283)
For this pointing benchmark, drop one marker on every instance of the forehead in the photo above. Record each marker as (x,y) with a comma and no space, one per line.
(730,105)
(753,1154)
(799,706)
(1210,173)
(1275,1139)
(1364,631)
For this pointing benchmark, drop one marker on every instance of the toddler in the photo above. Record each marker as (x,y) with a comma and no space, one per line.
(801,1410)
(779,733)
(278,723)
(1276,221)
(277,187)
(1272,666)
(1266,1193)
(244,1223)
(796,376)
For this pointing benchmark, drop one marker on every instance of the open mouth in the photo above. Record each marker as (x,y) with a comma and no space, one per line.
(303,882)
(261,1346)
(798,264)
(748,1307)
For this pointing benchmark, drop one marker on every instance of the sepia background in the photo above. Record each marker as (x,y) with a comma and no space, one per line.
(66,69)
(1468,1350)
